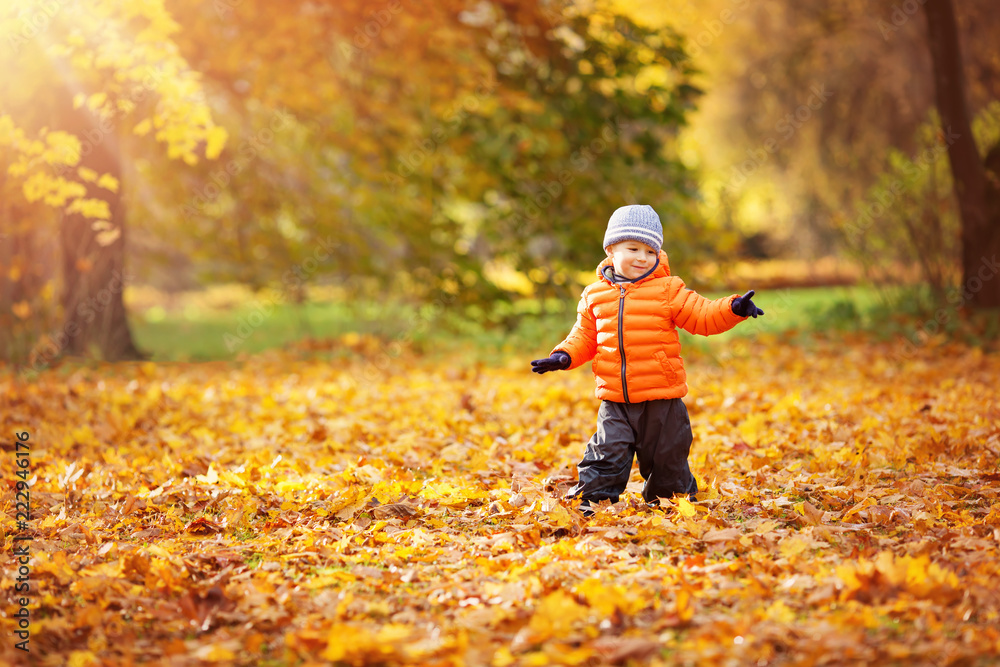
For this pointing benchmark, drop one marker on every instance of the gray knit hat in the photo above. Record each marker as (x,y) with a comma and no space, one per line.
(637,222)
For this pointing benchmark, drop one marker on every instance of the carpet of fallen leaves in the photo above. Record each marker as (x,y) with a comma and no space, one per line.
(290,510)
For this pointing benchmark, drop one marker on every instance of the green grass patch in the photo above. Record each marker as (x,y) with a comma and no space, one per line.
(526,328)
(209,334)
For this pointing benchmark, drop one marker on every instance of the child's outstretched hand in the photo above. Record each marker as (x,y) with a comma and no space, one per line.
(557,362)
(744,307)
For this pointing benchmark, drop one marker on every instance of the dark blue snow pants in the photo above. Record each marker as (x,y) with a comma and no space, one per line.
(657,432)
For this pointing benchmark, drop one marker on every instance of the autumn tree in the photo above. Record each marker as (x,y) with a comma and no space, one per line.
(812,195)
(87,76)
(976,181)
(510,136)
(593,127)
(513,132)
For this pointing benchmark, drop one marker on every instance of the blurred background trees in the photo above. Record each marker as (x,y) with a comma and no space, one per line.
(824,189)
(463,152)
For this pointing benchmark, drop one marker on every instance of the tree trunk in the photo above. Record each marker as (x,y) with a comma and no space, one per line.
(980,229)
(93,274)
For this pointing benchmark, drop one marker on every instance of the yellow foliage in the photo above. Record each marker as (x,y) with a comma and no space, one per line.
(88,175)
(108,182)
(102,38)
(55,191)
(889,574)
(90,208)
(216,140)
(97,100)
(63,148)
(7,130)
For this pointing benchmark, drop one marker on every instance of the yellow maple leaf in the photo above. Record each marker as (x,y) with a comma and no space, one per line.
(685,507)
(210,476)
(766,527)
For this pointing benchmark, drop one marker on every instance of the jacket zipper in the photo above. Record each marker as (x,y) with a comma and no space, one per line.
(621,340)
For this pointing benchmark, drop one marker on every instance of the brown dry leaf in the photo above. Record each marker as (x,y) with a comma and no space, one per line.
(616,650)
(401,511)
(203,525)
(812,514)
(722,535)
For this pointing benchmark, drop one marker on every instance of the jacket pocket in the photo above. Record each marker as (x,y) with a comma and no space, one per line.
(669,370)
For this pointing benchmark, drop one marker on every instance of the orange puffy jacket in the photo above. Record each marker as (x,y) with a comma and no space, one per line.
(630,331)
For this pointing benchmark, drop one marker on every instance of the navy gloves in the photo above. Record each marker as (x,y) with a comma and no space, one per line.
(557,362)
(744,307)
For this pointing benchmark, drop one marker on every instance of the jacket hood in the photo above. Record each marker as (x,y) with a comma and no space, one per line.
(662,270)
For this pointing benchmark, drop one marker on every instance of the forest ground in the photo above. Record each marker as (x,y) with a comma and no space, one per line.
(316,504)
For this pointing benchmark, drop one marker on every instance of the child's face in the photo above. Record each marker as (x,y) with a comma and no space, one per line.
(631,258)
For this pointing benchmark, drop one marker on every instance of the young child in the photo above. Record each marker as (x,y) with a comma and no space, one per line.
(626,322)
